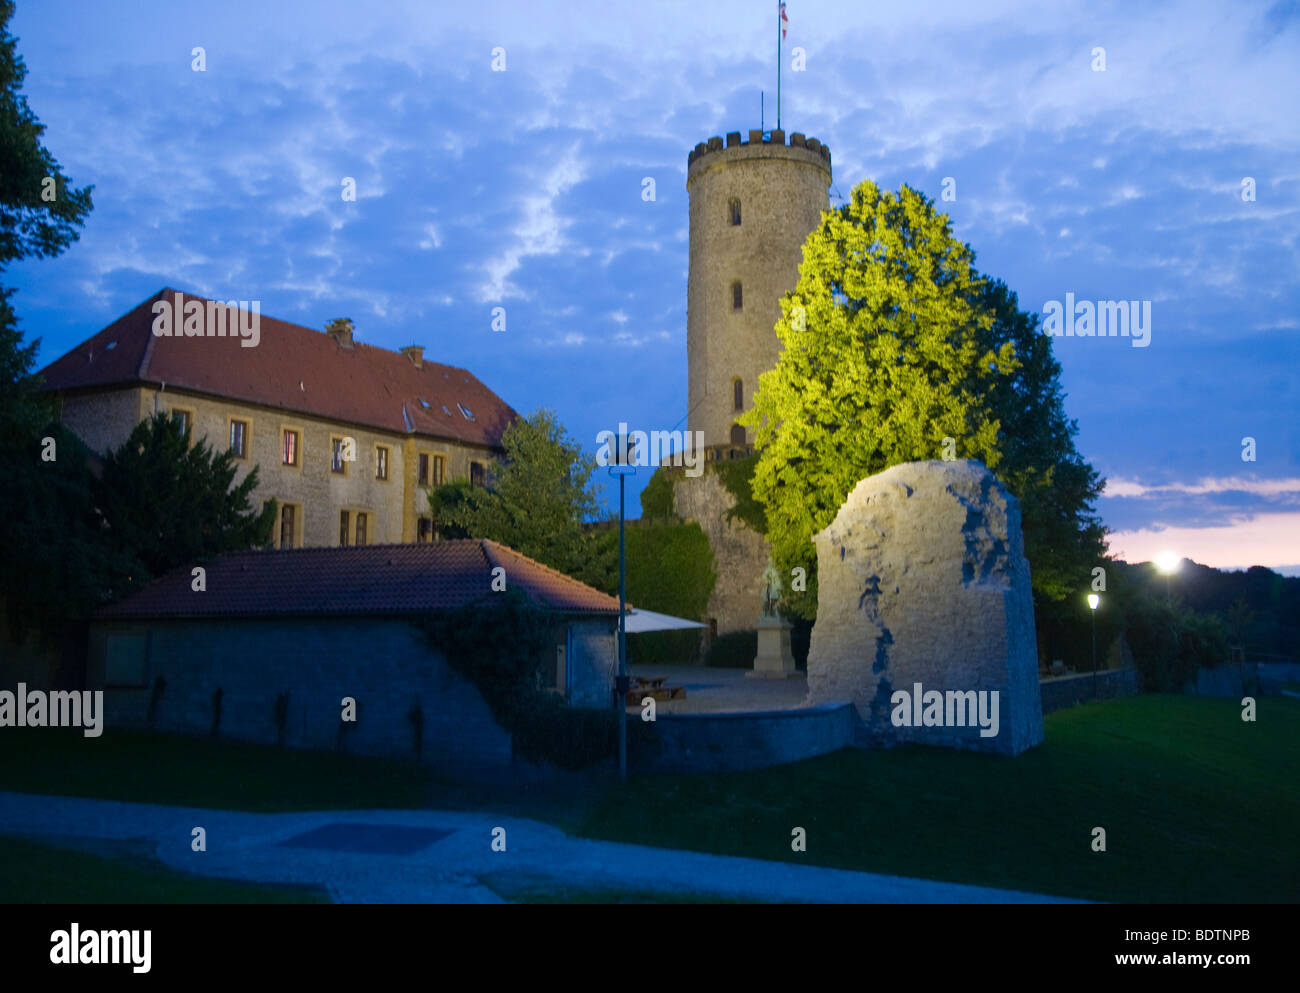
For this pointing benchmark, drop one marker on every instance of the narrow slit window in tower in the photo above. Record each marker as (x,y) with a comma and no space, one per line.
(735,213)
(738,394)
(737,297)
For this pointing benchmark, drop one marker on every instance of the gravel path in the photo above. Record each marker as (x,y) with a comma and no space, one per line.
(446,868)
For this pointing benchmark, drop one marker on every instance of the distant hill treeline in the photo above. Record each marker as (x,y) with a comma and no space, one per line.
(1260,608)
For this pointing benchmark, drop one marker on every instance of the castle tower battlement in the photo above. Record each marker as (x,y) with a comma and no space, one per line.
(752,204)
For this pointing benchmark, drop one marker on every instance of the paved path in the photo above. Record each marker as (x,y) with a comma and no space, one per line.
(248,847)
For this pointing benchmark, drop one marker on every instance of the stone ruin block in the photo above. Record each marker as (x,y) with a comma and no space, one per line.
(922,580)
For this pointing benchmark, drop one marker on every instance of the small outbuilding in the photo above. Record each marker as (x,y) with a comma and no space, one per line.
(268,646)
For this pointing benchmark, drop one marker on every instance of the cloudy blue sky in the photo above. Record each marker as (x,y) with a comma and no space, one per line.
(523,188)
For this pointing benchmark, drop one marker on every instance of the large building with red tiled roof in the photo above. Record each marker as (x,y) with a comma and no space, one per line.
(274,646)
(348,436)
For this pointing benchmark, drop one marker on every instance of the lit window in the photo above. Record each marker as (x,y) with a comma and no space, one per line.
(239,438)
(289,448)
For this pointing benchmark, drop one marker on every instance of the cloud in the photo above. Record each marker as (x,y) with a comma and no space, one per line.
(1117,487)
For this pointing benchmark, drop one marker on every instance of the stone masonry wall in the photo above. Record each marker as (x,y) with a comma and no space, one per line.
(386,665)
(103,421)
(739,554)
(782,190)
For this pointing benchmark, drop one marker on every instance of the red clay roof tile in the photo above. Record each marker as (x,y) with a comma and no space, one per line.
(293,368)
(367,580)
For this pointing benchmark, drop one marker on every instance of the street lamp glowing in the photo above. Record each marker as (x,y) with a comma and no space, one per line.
(1093,601)
(1167,562)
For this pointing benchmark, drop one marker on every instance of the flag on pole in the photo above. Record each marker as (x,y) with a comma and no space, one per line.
(785,21)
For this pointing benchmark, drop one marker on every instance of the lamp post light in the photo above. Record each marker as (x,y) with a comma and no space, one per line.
(622,468)
(1094,601)
(1167,564)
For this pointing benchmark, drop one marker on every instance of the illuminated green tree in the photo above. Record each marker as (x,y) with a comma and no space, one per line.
(895,349)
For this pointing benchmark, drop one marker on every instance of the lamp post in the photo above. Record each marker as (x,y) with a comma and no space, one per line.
(1094,601)
(622,467)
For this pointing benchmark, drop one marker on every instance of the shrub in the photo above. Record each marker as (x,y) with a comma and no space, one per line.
(734,650)
(657,497)
(546,729)
(738,477)
(664,647)
(500,646)
(1169,644)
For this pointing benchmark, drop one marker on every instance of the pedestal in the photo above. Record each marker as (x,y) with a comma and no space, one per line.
(774,659)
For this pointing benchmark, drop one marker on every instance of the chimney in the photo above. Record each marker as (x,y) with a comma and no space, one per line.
(416,354)
(340,329)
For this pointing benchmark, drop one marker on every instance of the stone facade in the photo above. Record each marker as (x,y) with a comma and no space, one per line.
(922,579)
(780,192)
(739,554)
(393,506)
(385,664)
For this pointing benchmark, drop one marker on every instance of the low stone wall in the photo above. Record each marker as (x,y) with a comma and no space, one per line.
(1273,674)
(738,741)
(1061,692)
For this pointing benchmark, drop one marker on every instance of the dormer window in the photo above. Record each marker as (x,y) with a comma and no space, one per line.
(469,414)
(735,213)
(425,404)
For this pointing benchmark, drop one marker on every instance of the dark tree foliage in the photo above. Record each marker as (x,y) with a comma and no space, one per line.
(169,503)
(51,564)
(40,211)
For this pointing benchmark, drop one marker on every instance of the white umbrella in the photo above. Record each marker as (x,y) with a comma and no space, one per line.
(640,621)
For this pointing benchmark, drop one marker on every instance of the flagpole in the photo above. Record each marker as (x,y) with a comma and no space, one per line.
(778,65)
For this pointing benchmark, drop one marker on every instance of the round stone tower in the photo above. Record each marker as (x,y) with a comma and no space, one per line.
(752,205)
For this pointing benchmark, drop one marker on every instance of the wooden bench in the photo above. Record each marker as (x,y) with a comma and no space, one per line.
(659,692)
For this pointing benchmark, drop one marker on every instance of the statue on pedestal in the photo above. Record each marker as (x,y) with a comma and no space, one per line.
(771,592)
(774,659)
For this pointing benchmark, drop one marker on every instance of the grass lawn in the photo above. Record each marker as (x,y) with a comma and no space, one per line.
(189,771)
(120,873)
(1197,806)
